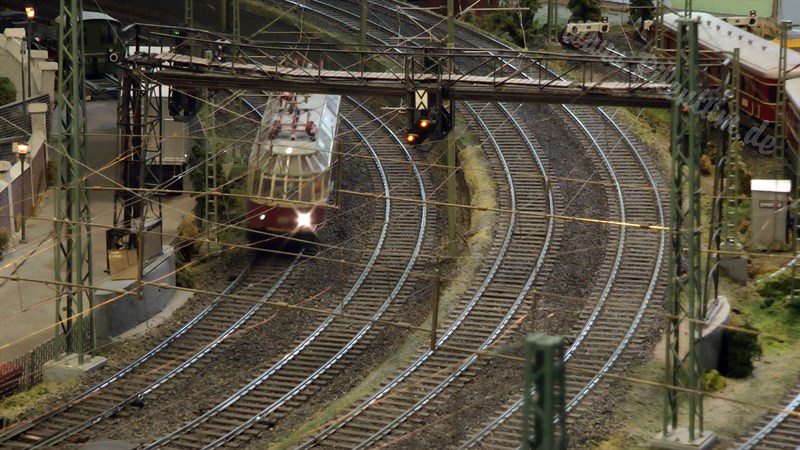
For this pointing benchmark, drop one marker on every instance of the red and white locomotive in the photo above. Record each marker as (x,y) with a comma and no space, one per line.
(289,170)
(758,59)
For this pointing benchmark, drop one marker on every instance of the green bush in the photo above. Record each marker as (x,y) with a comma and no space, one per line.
(739,350)
(777,286)
(713,381)
(185,278)
(189,235)
(584,10)
(8,93)
(52,173)
(516,26)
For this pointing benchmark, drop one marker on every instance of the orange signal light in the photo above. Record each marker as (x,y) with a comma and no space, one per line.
(412,138)
(424,123)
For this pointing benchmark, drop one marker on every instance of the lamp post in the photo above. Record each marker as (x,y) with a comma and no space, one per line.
(30,13)
(22,47)
(21,149)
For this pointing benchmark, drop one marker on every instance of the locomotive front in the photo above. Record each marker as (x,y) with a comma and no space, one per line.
(290,166)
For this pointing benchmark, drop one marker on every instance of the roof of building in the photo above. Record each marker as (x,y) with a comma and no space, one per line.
(771,185)
(93,15)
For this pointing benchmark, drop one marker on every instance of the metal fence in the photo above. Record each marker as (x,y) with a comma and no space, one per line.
(31,365)
(15,125)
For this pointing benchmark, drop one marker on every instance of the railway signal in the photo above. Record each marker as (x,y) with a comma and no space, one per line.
(428,118)
(419,130)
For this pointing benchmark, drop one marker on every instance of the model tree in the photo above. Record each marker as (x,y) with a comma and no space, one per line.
(641,9)
(516,25)
(584,10)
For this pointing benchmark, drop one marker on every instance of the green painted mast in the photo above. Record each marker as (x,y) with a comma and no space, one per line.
(74,332)
(188,15)
(730,234)
(685,289)
(452,197)
(237,21)
(552,22)
(544,418)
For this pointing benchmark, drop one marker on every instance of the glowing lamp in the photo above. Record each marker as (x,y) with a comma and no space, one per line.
(304,219)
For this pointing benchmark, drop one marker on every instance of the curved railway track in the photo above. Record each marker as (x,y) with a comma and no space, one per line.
(199,338)
(781,431)
(498,298)
(631,283)
(320,356)
(385,277)
(491,304)
(609,325)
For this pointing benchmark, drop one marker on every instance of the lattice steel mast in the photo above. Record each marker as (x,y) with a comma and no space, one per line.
(685,289)
(730,234)
(73,239)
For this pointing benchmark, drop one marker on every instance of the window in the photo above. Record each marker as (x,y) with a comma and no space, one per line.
(307,191)
(292,189)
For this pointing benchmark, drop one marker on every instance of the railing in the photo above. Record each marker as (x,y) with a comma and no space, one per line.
(15,125)
(31,364)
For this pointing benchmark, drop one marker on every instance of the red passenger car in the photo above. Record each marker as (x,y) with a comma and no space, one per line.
(758,59)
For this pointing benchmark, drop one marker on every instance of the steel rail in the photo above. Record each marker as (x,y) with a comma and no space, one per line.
(772,425)
(60,436)
(445,336)
(263,414)
(642,307)
(648,294)
(15,431)
(509,313)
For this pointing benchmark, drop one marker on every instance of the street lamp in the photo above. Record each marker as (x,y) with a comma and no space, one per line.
(30,13)
(21,149)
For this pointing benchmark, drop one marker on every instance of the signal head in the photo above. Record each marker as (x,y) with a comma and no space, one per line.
(424,124)
(412,138)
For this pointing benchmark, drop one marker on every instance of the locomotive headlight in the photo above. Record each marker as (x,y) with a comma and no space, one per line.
(262,217)
(304,219)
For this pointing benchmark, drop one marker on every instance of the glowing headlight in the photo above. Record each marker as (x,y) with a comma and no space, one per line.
(262,217)
(304,219)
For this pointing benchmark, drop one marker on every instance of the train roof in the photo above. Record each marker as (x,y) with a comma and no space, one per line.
(93,15)
(297,134)
(793,92)
(756,53)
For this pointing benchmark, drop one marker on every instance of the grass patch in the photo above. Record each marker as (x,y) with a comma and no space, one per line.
(779,323)
(37,396)
(638,412)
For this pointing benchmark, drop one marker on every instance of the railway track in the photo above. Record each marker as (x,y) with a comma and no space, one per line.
(630,286)
(378,294)
(498,298)
(610,324)
(203,335)
(493,301)
(779,431)
(383,284)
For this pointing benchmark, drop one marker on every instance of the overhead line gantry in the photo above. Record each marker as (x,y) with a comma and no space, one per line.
(496,75)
